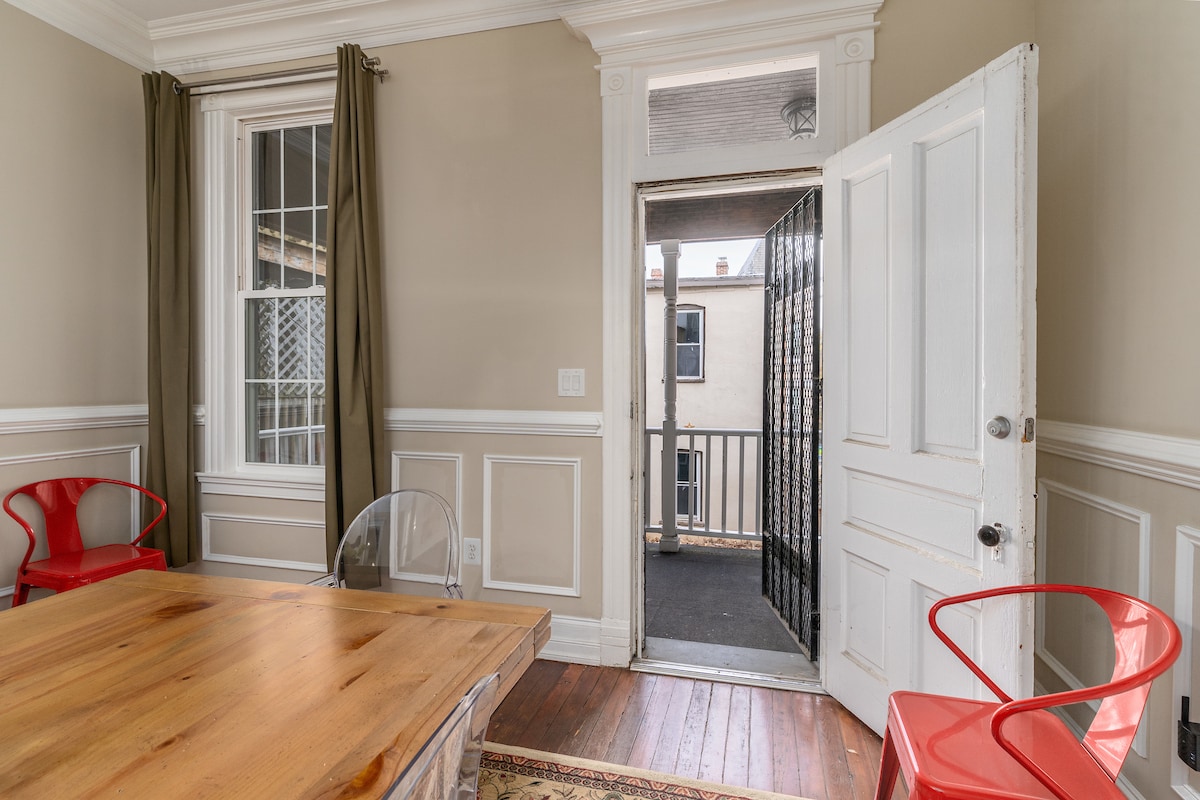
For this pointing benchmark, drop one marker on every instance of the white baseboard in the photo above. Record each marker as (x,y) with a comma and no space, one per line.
(573,639)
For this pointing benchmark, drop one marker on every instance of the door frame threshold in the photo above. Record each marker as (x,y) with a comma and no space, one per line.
(723,675)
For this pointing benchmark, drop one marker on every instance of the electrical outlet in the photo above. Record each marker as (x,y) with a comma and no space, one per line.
(472,551)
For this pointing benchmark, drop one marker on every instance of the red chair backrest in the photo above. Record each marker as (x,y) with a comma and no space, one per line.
(59,499)
(1146,643)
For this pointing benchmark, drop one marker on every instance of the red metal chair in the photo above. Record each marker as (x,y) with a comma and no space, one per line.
(70,565)
(954,749)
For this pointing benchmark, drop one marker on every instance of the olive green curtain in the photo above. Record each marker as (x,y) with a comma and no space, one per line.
(355,459)
(169,464)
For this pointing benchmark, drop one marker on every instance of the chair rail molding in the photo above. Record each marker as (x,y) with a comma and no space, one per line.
(71,418)
(1165,458)
(465,420)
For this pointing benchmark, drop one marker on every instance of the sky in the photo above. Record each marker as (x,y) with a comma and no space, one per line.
(699,259)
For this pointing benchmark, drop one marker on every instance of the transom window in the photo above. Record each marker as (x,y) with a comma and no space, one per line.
(283,295)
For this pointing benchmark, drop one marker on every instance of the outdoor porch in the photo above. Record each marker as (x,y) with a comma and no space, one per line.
(705,608)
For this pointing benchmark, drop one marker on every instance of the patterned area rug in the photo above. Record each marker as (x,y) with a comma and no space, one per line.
(514,773)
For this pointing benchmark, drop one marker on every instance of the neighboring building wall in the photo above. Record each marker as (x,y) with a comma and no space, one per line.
(72,265)
(730,396)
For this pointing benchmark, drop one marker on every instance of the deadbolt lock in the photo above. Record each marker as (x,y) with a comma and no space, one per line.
(999,427)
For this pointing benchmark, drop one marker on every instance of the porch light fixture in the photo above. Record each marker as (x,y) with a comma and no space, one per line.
(801,117)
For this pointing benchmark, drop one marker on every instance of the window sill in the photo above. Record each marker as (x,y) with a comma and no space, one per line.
(274,487)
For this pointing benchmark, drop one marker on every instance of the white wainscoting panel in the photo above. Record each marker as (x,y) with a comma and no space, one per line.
(1187,565)
(250,527)
(531,524)
(1133,522)
(440,473)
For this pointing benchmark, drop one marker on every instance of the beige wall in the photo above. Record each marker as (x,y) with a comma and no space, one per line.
(489,159)
(1118,273)
(72,265)
(72,221)
(925,46)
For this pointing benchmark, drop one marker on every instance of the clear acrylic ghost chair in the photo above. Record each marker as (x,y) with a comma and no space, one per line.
(447,766)
(406,535)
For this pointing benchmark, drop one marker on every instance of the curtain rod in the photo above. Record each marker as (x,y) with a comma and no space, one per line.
(370,65)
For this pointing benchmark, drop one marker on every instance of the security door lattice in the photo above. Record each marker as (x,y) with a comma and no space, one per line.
(792,420)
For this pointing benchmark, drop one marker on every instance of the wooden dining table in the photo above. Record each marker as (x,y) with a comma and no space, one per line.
(171,685)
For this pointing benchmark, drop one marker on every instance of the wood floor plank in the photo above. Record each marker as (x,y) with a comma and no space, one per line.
(608,718)
(666,751)
(838,783)
(551,702)
(808,744)
(786,742)
(786,767)
(631,720)
(863,769)
(760,773)
(514,715)
(588,715)
(712,755)
(691,744)
(641,754)
(565,721)
(737,743)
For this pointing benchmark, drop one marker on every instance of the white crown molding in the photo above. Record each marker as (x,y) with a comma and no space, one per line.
(1165,458)
(100,23)
(269,31)
(647,31)
(526,423)
(71,418)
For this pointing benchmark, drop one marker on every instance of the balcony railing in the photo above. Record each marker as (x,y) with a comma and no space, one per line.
(721,491)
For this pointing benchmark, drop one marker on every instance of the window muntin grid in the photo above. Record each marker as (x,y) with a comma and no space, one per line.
(283,296)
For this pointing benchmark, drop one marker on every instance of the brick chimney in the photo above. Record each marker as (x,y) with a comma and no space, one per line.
(655,274)
(722,266)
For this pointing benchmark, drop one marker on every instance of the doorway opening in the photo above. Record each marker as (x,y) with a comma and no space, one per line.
(731,399)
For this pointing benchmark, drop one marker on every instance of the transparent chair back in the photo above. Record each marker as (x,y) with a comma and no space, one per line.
(406,536)
(447,767)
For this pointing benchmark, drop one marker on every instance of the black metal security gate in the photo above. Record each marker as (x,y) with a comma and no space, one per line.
(791,420)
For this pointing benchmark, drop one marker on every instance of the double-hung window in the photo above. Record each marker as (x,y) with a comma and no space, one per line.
(689,344)
(266,156)
(283,295)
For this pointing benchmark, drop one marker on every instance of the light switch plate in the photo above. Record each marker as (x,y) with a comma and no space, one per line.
(570,383)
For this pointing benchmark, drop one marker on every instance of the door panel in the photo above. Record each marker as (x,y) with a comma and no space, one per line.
(929,257)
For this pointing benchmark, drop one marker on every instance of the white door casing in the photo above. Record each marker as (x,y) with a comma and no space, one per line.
(929,252)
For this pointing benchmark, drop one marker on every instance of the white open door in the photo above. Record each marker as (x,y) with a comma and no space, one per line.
(929,245)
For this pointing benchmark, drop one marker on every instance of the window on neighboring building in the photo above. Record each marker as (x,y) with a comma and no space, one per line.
(690,344)
(282,295)
(688,473)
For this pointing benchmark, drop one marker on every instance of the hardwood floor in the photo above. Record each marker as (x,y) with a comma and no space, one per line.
(788,742)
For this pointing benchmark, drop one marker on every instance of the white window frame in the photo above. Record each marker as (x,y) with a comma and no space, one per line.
(698,310)
(228,119)
(694,485)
